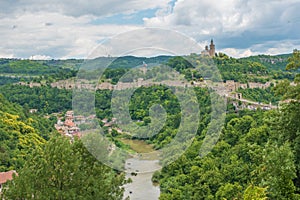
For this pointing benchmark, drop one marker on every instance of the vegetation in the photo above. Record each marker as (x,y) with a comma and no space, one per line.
(276,63)
(46,99)
(260,95)
(20,133)
(8,80)
(241,70)
(250,153)
(64,170)
(251,69)
(256,157)
(131,61)
(141,102)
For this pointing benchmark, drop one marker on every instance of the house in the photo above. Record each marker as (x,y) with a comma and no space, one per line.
(69,114)
(6,176)
(69,123)
(33,111)
(73,130)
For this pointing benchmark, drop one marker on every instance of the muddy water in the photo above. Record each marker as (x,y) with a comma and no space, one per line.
(141,171)
(140,168)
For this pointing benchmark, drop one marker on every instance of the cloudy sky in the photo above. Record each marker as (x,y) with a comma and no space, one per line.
(72,29)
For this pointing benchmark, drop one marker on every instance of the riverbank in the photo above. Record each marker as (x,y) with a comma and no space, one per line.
(140,168)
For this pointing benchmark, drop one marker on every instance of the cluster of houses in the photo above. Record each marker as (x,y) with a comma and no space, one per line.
(69,124)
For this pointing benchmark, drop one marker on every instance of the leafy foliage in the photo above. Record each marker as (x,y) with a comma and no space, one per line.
(8,80)
(141,102)
(64,170)
(19,134)
(294,61)
(257,157)
(260,95)
(239,158)
(276,63)
(45,99)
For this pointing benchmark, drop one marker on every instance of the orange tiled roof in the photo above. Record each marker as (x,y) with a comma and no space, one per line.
(7,176)
(69,123)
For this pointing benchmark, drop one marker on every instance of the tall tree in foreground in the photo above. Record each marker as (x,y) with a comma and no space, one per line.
(64,170)
(278,171)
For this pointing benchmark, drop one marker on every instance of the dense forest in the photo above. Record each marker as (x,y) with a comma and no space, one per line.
(8,80)
(48,165)
(251,69)
(46,99)
(141,102)
(21,132)
(64,170)
(256,156)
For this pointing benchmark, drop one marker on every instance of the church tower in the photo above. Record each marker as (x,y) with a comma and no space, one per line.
(212,49)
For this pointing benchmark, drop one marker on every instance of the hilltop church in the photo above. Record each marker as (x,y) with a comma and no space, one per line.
(211,51)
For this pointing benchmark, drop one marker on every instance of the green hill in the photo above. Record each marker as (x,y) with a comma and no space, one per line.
(20,133)
(277,62)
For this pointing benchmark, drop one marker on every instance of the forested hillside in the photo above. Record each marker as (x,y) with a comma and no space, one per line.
(277,63)
(48,164)
(256,68)
(46,99)
(257,156)
(257,152)
(64,170)
(20,134)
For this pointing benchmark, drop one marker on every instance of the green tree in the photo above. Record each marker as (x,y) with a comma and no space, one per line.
(229,191)
(255,193)
(294,61)
(64,170)
(278,171)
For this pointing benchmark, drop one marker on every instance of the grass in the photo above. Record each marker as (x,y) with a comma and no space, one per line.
(138,146)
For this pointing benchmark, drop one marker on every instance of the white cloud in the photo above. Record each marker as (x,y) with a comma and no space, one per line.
(6,55)
(40,57)
(148,42)
(238,53)
(227,16)
(232,18)
(63,29)
(79,8)
(53,34)
(268,48)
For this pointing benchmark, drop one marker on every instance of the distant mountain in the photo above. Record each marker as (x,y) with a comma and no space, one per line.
(277,62)
(36,67)
(132,61)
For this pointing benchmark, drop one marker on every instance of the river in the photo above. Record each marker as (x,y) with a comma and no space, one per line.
(140,169)
(141,187)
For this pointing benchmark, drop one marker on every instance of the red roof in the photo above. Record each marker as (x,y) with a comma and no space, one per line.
(69,123)
(7,176)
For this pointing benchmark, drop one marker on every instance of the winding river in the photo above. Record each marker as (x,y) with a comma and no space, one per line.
(140,169)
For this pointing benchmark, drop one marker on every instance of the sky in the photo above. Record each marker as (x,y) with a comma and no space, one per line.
(62,29)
